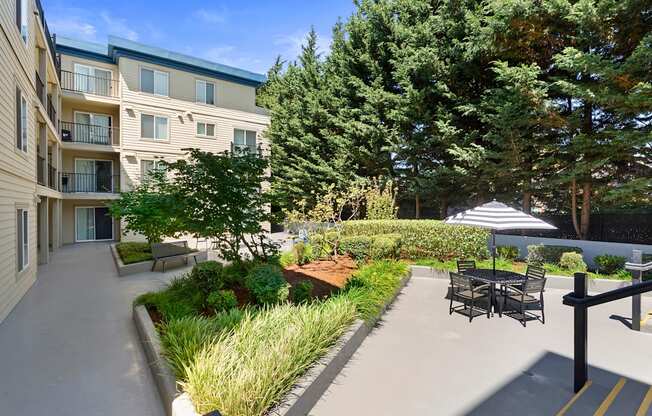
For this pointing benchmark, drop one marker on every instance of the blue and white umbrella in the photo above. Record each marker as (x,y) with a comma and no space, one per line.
(498,216)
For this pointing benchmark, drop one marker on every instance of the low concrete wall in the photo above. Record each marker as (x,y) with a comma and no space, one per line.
(590,248)
(146,266)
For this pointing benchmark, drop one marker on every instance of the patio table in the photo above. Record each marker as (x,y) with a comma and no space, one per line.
(501,277)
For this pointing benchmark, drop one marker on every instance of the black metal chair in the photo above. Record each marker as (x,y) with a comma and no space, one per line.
(464,266)
(524,297)
(535,272)
(465,291)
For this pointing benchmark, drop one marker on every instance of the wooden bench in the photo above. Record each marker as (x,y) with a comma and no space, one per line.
(172,251)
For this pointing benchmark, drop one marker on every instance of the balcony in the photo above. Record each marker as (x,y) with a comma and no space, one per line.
(88,133)
(52,178)
(89,182)
(40,89)
(40,173)
(52,112)
(88,84)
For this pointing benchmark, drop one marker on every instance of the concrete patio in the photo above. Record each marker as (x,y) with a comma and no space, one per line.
(70,346)
(421,361)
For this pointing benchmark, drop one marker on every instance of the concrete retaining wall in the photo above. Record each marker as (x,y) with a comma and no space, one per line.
(146,266)
(590,248)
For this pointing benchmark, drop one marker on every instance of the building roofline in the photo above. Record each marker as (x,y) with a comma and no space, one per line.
(119,47)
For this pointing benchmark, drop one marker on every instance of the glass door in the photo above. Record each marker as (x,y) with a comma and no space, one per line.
(85,224)
(103,178)
(101,132)
(84,180)
(82,129)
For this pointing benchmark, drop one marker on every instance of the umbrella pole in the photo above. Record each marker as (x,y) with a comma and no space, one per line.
(493,248)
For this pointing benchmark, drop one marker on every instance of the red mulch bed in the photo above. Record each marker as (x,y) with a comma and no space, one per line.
(327,276)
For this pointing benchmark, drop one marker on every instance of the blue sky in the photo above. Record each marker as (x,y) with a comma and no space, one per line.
(246,34)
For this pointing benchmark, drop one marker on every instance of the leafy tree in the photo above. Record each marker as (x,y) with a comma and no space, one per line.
(149,209)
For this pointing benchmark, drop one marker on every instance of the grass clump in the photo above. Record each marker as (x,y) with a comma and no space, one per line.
(246,371)
(179,299)
(134,252)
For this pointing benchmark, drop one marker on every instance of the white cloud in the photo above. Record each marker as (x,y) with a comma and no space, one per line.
(229,55)
(73,27)
(210,16)
(118,26)
(292,43)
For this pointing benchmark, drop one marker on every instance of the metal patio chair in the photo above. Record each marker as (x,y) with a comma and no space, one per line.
(464,290)
(525,297)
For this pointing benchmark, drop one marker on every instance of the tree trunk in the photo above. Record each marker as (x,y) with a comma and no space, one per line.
(574,208)
(585,217)
(443,207)
(527,202)
(417,206)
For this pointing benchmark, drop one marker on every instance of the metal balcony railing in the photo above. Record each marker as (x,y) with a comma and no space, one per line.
(88,133)
(52,178)
(72,81)
(40,174)
(89,182)
(40,88)
(52,112)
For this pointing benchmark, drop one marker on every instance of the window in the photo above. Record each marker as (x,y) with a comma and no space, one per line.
(205,129)
(149,166)
(21,121)
(244,140)
(22,18)
(22,242)
(153,127)
(92,80)
(154,82)
(205,92)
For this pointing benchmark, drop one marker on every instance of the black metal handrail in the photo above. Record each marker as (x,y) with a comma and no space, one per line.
(240,149)
(581,302)
(88,133)
(89,182)
(40,88)
(88,84)
(52,112)
(40,173)
(50,38)
(52,178)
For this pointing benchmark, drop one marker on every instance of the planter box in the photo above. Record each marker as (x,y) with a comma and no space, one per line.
(145,266)
(298,401)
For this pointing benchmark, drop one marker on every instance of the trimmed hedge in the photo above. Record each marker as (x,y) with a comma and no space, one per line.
(609,264)
(426,238)
(537,254)
(375,247)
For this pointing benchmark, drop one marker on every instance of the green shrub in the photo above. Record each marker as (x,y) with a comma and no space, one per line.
(183,338)
(287,258)
(540,253)
(357,246)
(267,285)
(573,262)
(179,299)
(609,264)
(303,253)
(222,300)
(426,238)
(207,276)
(236,272)
(247,371)
(535,255)
(508,252)
(385,246)
(302,292)
(134,252)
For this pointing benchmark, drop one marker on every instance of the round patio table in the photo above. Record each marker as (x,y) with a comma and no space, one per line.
(501,277)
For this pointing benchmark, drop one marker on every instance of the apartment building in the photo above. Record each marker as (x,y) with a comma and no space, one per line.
(81,122)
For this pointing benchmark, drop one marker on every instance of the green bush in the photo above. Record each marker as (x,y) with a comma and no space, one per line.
(572,261)
(183,338)
(508,252)
(609,264)
(222,300)
(426,238)
(385,246)
(303,253)
(357,246)
(549,254)
(535,255)
(207,276)
(267,285)
(302,292)
(180,299)
(287,258)
(134,252)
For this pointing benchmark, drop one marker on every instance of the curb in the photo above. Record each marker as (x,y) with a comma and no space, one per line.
(297,402)
(143,266)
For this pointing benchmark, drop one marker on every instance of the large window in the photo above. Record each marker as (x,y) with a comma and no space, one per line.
(244,140)
(153,127)
(22,242)
(21,121)
(205,92)
(205,129)
(92,80)
(154,82)
(22,18)
(149,166)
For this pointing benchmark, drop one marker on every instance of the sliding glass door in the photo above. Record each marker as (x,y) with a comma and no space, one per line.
(93,175)
(93,224)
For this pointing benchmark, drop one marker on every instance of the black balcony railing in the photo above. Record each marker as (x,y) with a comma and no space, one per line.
(40,89)
(50,38)
(52,112)
(52,178)
(40,173)
(240,149)
(88,133)
(72,81)
(89,182)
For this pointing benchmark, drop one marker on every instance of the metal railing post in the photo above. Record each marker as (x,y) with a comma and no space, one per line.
(637,276)
(581,334)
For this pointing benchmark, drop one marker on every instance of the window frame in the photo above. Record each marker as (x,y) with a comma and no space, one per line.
(245,130)
(205,82)
(22,19)
(22,239)
(154,117)
(206,124)
(156,162)
(154,72)
(22,122)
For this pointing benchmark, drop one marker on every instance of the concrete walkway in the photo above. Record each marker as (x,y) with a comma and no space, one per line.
(421,361)
(70,346)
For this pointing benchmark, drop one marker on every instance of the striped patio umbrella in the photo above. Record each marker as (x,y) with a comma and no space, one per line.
(498,216)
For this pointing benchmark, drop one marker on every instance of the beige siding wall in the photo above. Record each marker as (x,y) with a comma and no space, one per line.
(17,169)
(69,207)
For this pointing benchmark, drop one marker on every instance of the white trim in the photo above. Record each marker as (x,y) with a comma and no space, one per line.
(25,18)
(154,72)
(24,223)
(197,81)
(94,207)
(24,130)
(206,123)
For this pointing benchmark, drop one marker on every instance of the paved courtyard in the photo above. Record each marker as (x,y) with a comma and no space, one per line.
(70,346)
(421,361)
